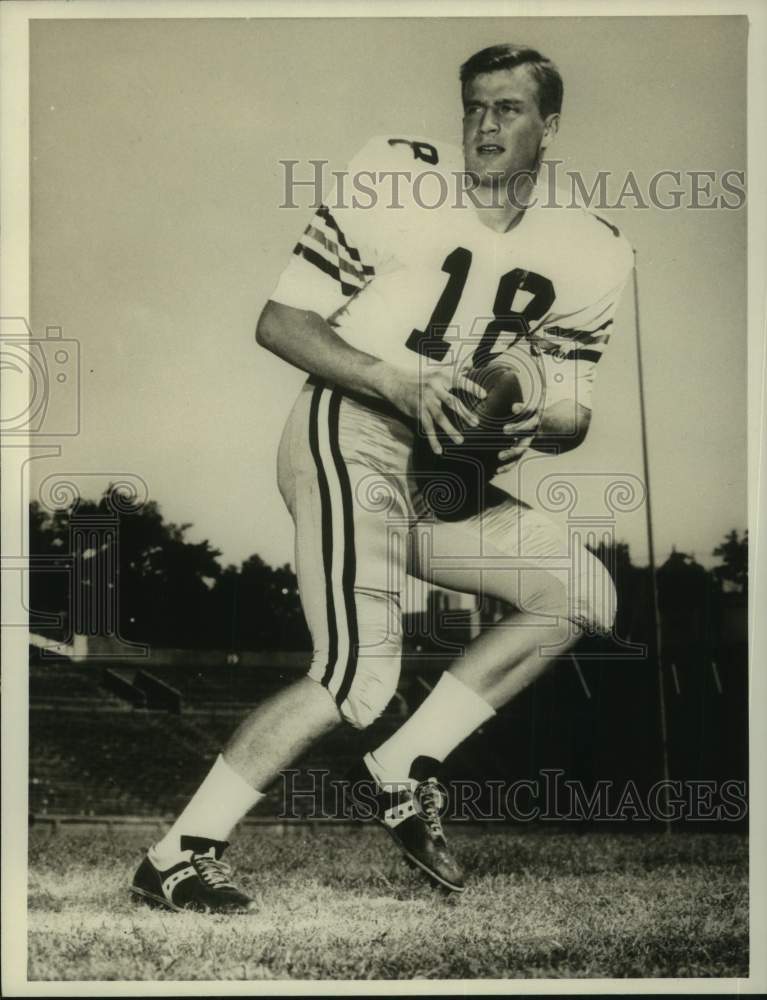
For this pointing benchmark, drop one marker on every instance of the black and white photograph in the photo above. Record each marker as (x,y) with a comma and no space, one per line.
(380,434)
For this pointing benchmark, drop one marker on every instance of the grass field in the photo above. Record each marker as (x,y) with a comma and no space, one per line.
(341,905)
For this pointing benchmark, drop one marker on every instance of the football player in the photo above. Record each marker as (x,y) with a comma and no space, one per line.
(387,308)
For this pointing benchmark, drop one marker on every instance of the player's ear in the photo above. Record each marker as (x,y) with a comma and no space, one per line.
(550,129)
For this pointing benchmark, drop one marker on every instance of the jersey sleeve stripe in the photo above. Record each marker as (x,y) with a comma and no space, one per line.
(324,213)
(335,251)
(577,336)
(583,355)
(332,270)
(581,336)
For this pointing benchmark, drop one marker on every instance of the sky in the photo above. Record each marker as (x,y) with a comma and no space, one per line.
(157,236)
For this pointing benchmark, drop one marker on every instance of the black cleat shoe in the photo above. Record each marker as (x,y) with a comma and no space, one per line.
(411,815)
(200,881)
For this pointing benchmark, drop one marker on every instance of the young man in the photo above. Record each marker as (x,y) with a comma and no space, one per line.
(387,308)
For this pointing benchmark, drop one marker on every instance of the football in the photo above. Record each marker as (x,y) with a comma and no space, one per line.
(456,484)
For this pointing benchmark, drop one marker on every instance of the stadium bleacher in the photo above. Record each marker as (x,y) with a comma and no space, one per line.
(61,683)
(95,761)
(93,753)
(110,740)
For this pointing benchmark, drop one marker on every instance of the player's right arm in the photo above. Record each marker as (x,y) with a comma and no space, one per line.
(304,339)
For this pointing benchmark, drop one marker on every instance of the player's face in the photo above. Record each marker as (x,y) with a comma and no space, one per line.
(503,131)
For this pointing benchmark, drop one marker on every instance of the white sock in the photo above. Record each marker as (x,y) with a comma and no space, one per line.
(450,713)
(213,812)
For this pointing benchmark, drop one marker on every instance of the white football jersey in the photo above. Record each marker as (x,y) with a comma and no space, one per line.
(403,269)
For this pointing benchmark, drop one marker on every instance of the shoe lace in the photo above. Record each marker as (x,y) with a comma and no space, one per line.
(217,874)
(430,801)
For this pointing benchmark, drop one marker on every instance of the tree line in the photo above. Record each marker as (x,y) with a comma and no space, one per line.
(170,591)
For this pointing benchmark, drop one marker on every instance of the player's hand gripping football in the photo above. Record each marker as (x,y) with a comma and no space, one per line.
(422,397)
(521,433)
